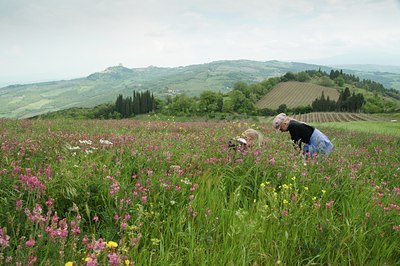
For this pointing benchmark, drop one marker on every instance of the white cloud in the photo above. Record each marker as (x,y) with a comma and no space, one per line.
(51,39)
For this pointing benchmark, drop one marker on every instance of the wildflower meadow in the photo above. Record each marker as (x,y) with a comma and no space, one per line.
(130,192)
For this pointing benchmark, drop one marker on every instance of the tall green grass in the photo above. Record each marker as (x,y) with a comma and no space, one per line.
(173,193)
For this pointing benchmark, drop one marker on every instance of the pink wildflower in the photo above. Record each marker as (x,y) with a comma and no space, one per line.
(32,260)
(329,204)
(114,259)
(208,212)
(49,202)
(4,239)
(18,204)
(144,199)
(30,242)
(149,172)
(85,240)
(48,172)
(194,187)
(91,260)
(76,230)
(114,188)
(123,225)
(99,245)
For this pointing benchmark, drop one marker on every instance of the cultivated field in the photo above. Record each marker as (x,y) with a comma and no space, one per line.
(328,117)
(324,117)
(295,94)
(172,193)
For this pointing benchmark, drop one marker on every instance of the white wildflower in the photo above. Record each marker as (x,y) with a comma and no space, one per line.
(106,142)
(71,148)
(186,181)
(88,142)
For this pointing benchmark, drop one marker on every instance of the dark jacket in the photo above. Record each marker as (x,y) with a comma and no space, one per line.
(300,132)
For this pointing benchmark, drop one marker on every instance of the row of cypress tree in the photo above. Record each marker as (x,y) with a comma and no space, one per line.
(347,102)
(138,103)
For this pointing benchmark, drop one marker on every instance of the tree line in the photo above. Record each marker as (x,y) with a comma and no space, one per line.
(347,102)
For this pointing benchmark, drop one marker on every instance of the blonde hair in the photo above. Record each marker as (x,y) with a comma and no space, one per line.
(254,134)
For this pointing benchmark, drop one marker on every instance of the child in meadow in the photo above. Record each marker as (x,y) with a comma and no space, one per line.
(248,139)
(315,142)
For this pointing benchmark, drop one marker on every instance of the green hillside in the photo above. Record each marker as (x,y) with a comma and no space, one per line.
(19,101)
(294,94)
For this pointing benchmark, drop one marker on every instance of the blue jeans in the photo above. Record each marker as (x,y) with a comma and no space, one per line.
(319,143)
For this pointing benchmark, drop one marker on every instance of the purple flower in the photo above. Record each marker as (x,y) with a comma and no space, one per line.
(4,239)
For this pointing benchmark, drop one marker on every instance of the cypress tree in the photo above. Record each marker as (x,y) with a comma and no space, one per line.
(119,104)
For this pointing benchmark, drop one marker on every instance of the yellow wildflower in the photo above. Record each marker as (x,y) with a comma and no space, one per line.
(112,244)
(69,263)
(127,262)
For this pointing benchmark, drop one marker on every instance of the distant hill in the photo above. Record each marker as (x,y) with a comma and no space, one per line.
(370,68)
(19,101)
(388,76)
(295,94)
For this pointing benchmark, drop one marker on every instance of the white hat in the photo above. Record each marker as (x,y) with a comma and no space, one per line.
(242,140)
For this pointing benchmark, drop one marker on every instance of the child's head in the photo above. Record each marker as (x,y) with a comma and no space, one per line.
(252,136)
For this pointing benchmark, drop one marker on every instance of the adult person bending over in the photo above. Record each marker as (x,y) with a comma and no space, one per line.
(315,142)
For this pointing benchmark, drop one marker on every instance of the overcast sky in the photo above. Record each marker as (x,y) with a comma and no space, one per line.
(42,40)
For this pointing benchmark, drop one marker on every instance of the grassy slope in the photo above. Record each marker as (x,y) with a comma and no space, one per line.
(385,124)
(385,128)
